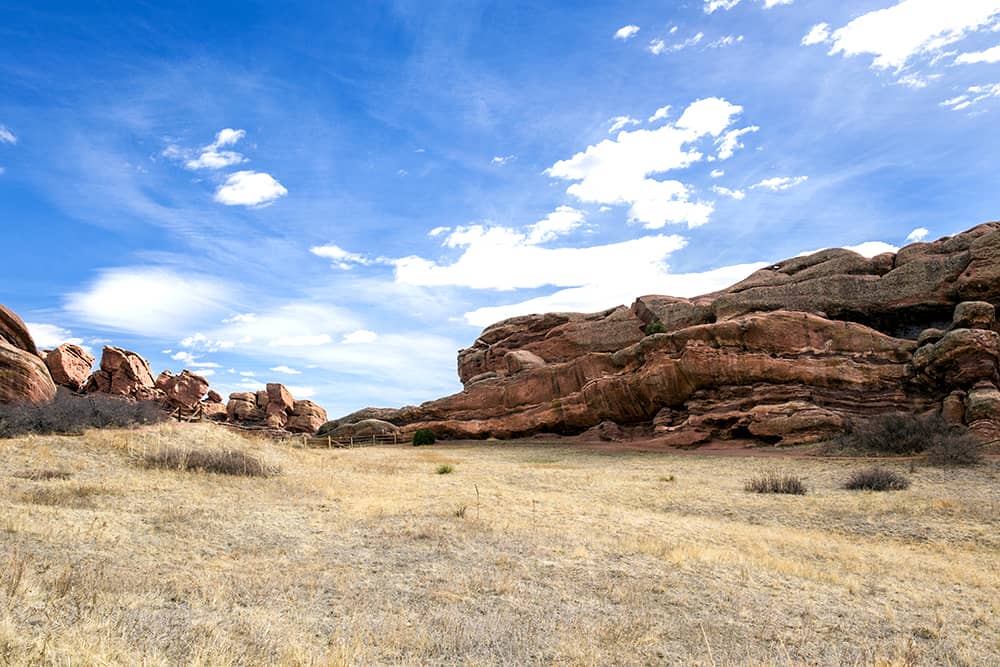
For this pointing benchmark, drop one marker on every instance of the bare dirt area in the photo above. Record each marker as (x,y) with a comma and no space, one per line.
(529,554)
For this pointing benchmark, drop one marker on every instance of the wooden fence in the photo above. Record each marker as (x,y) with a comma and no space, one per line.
(353,441)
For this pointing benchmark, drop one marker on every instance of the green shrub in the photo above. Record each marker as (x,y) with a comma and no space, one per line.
(654,327)
(72,413)
(423,436)
(876,478)
(445,469)
(901,435)
(772,482)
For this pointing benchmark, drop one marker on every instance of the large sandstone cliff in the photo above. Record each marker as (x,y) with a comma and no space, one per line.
(784,356)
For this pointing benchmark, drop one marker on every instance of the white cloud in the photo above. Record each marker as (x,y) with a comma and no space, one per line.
(49,336)
(248,374)
(973,95)
(149,301)
(558,223)
(717,173)
(660,114)
(240,317)
(346,260)
(286,370)
(912,28)
(712,6)
(656,46)
(200,341)
(817,35)
(618,171)
(438,231)
(618,122)
(730,141)
(626,32)
(501,160)
(988,56)
(301,341)
(723,42)
(6,136)
(768,4)
(226,137)
(205,364)
(215,160)
(780,183)
(726,192)
(872,248)
(360,337)
(917,235)
(250,188)
(185,357)
(488,253)
(617,288)
(301,392)
(205,372)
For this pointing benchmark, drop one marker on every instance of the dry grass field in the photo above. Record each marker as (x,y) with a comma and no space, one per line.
(520,555)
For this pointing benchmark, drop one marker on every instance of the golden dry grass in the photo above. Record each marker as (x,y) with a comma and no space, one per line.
(522,555)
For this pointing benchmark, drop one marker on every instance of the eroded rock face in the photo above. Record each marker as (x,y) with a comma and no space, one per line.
(123,373)
(23,374)
(183,391)
(784,356)
(274,408)
(69,365)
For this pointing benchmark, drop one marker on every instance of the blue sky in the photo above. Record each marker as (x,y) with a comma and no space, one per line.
(338,196)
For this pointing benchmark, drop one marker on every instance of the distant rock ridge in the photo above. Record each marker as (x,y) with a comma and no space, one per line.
(784,356)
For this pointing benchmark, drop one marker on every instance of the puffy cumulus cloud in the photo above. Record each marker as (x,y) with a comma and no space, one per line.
(48,336)
(818,34)
(917,235)
(360,337)
(618,122)
(6,136)
(730,141)
(717,173)
(626,32)
(779,183)
(286,370)
(489,252)
(148,300)
(988,56)
(973,95)
(726,192)
(619,171)
(250,188)
(656,46)
(909,29)
(438,231)
(214,160)
(618,287)
(660,114)
(211,156)
(867,249)
(558,223)
(768,4)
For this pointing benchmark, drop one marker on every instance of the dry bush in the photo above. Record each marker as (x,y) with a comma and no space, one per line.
(221,461)
(900,435)
(960,449)
(70,413)
(72,495)
(876,478)
(772,482)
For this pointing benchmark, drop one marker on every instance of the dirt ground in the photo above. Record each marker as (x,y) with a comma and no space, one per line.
(532,553)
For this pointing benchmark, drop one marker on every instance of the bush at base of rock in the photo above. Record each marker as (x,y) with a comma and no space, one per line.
(897,435)
(70,413)
(423,436)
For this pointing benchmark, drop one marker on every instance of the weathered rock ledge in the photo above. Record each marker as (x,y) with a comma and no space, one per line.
(784,356)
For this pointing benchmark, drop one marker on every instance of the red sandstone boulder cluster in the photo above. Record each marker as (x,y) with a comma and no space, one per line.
(30,375)
(785,356)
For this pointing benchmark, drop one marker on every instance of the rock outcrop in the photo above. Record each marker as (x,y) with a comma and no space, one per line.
(184,391)
(784,356)
(69,365)
(123,373)
(23,374)
(274,408)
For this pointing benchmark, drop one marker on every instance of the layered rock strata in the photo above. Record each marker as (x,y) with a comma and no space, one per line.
(23,374)
(784,356)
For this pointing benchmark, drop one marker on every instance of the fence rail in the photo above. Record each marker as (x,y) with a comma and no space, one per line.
(353,441)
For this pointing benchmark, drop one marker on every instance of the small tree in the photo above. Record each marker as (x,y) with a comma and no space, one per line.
(423,436)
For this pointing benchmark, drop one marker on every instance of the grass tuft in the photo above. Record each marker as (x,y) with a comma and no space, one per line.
(772,482)
(445,469)
(876,478)
(217,460)
(43,474)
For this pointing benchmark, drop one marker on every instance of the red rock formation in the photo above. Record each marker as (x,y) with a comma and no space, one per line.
(23,374)
(69,365)
(275,408)
(182,391)
(783,356)
(123,373)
